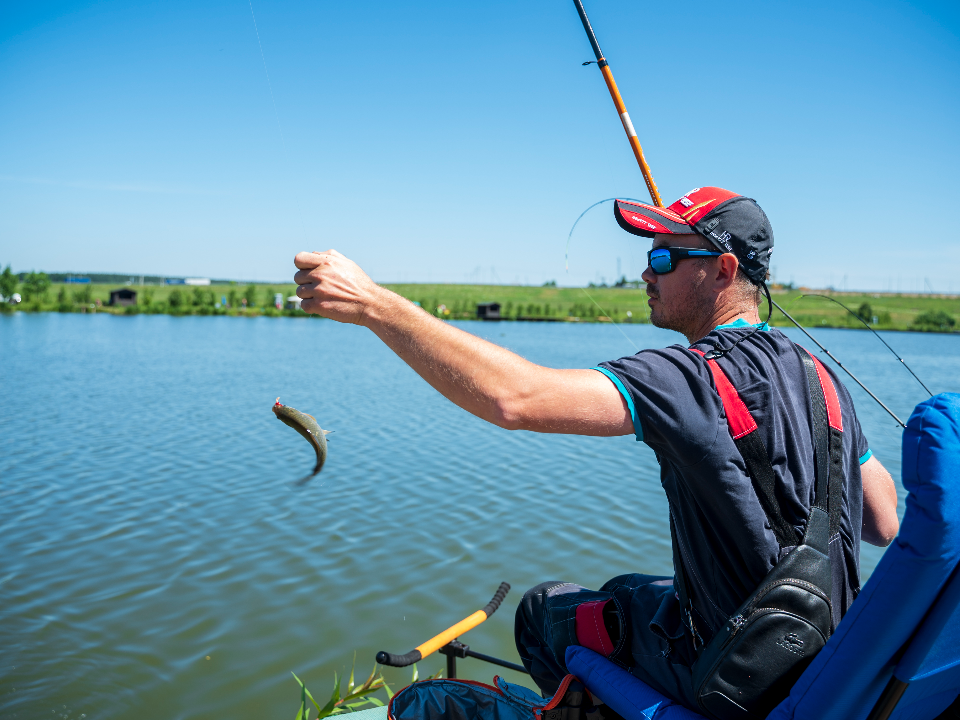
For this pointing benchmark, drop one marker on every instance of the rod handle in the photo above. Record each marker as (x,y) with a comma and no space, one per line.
(385,658)
(491,607)
(451,633)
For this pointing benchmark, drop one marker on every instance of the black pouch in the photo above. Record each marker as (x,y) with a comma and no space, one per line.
(750,665)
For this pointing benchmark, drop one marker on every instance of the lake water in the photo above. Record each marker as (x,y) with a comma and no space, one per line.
(156,560)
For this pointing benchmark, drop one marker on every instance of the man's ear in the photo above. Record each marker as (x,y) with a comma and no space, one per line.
(727,265)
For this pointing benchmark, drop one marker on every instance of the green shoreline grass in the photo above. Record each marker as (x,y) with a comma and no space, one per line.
(458,302)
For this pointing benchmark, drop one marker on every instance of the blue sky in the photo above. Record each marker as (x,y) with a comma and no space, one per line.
(452,141)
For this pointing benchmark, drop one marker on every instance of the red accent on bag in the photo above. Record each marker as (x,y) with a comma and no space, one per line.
(591,632)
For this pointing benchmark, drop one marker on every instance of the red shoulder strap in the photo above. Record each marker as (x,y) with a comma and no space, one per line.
(834,418)
(738,417)
(742,422)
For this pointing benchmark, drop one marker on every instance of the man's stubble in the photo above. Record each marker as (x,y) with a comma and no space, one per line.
(685,311)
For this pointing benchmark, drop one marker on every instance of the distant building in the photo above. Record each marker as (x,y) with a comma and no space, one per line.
(488,311)
(293,303)
(175,281)
(123,296)
(196,281)
(80,280)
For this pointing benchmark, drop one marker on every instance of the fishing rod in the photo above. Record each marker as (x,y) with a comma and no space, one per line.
(875,333)
(621,108)
(655,194)
(830,355)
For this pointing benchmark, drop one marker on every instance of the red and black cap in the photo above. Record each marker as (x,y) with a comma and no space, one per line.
(733,223)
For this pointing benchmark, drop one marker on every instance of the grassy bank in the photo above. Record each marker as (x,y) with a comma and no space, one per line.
(624,305)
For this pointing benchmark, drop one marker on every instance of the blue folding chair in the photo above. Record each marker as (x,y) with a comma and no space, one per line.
(896,654)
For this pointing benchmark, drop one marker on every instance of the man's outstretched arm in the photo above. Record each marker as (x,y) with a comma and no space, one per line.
(484,379)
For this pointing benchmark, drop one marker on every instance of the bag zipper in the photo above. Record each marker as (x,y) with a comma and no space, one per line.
(787,581)
(740,619)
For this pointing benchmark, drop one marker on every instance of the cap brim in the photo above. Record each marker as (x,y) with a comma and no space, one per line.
(648,220)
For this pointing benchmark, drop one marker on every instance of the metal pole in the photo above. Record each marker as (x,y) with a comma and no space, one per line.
(888,700)
(621,108)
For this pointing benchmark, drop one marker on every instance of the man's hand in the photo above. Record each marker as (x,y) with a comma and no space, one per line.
(335,287)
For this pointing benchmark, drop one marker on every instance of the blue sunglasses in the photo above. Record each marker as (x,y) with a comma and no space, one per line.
(664,260)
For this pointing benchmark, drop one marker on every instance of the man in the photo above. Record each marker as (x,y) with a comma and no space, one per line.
(709,261)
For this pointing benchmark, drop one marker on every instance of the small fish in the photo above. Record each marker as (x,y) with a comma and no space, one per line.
(307,426)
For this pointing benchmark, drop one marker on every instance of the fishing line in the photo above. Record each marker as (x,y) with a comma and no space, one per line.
(616,324)
(567,263)
(875,333)
(830,355)
(276,114)
(566,256)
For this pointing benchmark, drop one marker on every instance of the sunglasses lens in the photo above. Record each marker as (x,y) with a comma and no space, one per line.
(660,261)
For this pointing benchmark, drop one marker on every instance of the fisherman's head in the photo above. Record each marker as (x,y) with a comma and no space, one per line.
(725,243)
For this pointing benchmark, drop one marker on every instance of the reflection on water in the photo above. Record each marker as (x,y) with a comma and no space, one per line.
(149,517)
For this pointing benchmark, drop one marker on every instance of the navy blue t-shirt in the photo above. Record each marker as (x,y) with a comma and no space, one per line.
(725,540)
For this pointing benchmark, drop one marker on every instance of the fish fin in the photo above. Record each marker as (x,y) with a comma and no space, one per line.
(310,416)
(327,432)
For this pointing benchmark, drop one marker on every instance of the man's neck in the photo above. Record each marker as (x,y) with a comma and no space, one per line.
(724,317)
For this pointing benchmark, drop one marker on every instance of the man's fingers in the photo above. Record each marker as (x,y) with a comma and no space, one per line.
(311,306)
(308,260)
(302,277)
(305,291)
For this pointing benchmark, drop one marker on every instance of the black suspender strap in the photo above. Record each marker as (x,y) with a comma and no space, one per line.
(821,443)
(764,480)
(828,440)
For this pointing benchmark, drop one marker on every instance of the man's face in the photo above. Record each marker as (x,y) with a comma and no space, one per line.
(678,299)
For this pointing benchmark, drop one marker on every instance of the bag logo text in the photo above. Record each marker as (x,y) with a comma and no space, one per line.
(792,643)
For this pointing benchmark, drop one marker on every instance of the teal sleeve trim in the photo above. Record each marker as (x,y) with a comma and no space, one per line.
(637,430)
(866,456)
